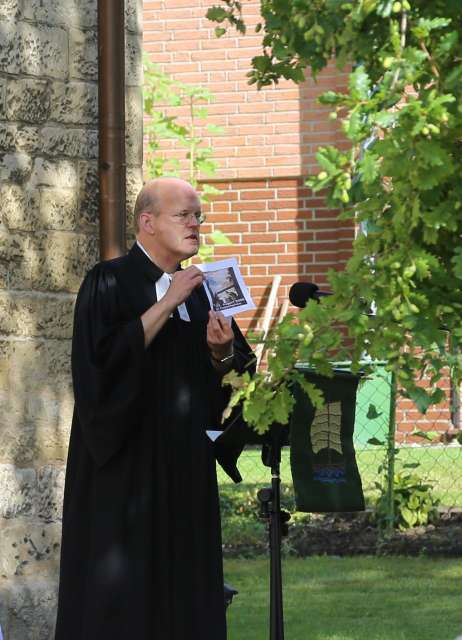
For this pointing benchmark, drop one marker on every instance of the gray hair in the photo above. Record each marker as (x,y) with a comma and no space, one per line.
(147,201)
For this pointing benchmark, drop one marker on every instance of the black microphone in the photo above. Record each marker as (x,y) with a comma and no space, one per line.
(301,292)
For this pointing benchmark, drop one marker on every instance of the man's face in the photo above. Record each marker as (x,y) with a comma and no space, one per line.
(176,228)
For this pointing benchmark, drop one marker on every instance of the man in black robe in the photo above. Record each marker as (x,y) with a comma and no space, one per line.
(141,547)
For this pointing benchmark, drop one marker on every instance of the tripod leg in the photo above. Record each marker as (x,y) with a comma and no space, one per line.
(276,603)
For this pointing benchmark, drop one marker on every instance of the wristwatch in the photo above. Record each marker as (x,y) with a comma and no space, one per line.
(225,359)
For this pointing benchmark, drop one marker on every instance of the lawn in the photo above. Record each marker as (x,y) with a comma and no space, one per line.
(441,466)
(329,598)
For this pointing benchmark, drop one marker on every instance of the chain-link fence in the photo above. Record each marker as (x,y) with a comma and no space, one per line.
(423,446)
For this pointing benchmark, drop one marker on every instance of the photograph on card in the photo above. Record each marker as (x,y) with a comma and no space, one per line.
(225,287)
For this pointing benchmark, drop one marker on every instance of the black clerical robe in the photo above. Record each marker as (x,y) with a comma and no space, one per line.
(141,546)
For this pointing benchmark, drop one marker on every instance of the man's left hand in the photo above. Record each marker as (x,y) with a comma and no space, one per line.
(220,336)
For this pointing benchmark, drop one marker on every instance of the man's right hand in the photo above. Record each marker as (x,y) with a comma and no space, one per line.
(183,282)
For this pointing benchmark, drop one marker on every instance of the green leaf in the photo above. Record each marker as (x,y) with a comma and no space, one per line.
(376,442)
(427,435)
(332,97)
(216,129)
(372,412)
(218,237)
(314,393)
(282,405)
(456,261)
(359,83)
(421,398)
(369,167)
(216,14)
(261,63)
(279,50)
(424,26)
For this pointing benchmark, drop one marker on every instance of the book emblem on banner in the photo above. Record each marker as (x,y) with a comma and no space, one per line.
(326,442)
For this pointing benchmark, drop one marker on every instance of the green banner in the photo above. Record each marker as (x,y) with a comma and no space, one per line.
(322,455)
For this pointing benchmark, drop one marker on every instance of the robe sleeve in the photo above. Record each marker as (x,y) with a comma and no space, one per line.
(244,357)
(244,360)
(107,362)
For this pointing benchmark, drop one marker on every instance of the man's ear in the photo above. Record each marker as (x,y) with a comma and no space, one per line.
(147,223)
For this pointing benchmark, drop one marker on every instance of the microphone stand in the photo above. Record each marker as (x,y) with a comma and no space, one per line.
(270,510)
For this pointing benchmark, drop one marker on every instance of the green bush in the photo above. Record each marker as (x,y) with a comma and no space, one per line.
(414,502)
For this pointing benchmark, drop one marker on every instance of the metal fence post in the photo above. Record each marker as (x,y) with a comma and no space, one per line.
(391,453)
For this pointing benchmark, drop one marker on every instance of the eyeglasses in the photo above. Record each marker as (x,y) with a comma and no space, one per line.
(184,217)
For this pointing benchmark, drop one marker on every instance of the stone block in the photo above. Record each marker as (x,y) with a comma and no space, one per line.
(4,280)
(29,548)
(17,448)
(35,50)
(3,84)
(133,64)
(59,173)
(36,400)
(32,493)
(83,54)
(37,366)
(11,245)
(48,504)
(74,103)
(134,184)
(52,261)
(17,491)
(19,207)
(28,607)
(88,194)
(34,315)
(73,143)
(9,9)
(28,139)
(134,126)
(79,13)
(7,137)
(19,138)
(15,167)
(27,444)
(58,209)
(73,256)
(134,16)
(28,100)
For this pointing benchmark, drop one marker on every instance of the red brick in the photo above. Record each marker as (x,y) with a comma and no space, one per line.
(269,259)
(269,248)
(243,185)
(259,237)
(261,215)
(233,250)
(249,206)
(280,270)
(262,194)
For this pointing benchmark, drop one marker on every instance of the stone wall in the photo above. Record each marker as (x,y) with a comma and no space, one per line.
(48,240)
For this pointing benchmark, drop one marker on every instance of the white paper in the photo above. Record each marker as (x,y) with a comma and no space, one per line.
(225,287)
(213,435)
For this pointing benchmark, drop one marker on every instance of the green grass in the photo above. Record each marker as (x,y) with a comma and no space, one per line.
(350,599)
(441,466)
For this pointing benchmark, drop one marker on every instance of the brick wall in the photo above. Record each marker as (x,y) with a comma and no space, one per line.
(267,133)
(278,227)
(267,148)
(436,422)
